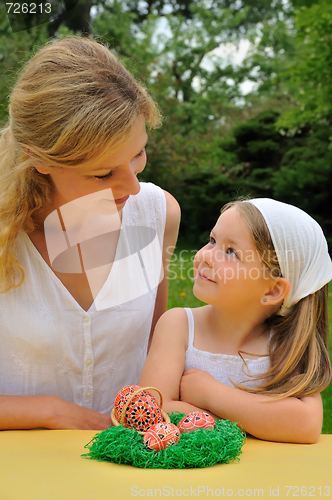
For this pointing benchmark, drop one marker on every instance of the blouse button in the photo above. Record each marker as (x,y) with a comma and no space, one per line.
(88,394)
(86,319)
(89,362)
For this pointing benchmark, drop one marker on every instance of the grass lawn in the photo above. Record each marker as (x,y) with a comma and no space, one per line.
(180,295)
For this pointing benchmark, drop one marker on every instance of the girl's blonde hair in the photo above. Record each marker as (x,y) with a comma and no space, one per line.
(299,347)
(74,102)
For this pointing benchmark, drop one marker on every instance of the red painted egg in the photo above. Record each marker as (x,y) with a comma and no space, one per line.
(143,410)
(196,420)
(161,436)
(122,397)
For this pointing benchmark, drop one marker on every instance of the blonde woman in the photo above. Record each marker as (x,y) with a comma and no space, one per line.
(78,236)
(258,353)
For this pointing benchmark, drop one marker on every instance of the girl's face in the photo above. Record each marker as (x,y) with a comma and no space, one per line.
(228,270)
(116,174)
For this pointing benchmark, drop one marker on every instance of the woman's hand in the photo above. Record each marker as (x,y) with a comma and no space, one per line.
(66,415)
(48,412)
(193,387)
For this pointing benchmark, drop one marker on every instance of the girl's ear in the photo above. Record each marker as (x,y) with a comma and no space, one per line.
(278,291)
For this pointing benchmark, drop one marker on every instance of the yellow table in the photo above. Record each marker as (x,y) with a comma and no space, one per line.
(47,465)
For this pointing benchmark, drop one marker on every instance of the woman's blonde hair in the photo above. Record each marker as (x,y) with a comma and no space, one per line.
(73,102)
(299,347)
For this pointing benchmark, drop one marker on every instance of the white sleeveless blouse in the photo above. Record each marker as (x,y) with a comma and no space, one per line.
(50,345)
(223,367)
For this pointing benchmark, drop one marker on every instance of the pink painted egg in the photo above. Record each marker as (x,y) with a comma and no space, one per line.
(143,410)
(161,436)
(196,420)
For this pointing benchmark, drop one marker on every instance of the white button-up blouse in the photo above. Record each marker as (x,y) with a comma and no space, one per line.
(50,345)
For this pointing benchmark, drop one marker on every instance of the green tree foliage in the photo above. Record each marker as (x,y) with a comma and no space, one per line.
(247,160)
(311,73)
(216,144)
(15,48)
(263,162)
(292,167)
(201,196)
(197,88)
(273,47)
(175,44)
(305,176)
(196,155)
(77,17)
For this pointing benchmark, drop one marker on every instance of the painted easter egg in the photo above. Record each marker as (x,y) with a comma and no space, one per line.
(142,412)
(161,436)
(196,420)
(122,397)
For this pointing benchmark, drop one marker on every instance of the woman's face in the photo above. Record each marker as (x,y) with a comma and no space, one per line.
(116,174)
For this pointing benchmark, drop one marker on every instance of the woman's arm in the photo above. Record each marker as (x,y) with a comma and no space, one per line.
(289,419)
(165,363)
(173,214)
(48,412)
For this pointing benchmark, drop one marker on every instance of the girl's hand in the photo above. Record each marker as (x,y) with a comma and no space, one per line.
(287,420)
(193,387)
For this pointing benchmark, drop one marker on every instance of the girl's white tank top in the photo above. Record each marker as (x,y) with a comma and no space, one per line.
(223,367)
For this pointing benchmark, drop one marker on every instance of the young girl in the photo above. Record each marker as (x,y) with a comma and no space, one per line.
(257,354)
(77,304)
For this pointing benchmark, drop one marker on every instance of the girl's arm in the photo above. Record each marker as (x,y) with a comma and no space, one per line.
(293,420)
(165,363)
(173,214)
(48,412)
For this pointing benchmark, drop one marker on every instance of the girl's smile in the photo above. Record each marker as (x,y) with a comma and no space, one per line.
(203,277)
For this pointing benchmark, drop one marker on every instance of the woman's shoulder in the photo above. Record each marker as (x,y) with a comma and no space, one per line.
(173,217)
(152,193)
(149,191)
(148,205)
(154,207)
(172,206)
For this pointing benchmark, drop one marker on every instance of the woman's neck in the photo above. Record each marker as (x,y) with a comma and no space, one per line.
(40,216)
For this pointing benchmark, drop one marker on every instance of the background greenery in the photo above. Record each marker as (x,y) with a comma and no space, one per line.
(253,126)
(259,125)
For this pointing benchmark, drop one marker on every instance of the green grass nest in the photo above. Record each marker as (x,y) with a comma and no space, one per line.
(197,449)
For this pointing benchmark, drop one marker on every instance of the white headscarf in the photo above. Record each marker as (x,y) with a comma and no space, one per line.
(300,246)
